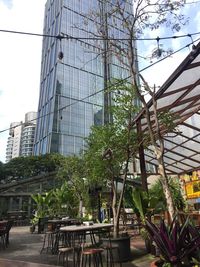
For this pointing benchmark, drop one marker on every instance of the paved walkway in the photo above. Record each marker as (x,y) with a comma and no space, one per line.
(25,246)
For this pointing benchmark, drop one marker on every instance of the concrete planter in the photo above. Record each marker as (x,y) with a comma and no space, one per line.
(123,253)
(158,263)
(32,229)
(154,264)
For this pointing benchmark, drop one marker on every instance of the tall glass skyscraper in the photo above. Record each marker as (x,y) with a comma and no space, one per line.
(72,85)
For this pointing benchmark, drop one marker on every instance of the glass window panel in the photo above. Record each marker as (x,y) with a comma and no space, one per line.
(182,166)
(194,120)
(194,146)
(174,156)
(193,93)
(174,169)
(191,163)
(148,158)
(154,161)
(196,157)
(169,160)
(189,132)
(197,59)
(187,77)
(169,145)
(183,151)
(180,107)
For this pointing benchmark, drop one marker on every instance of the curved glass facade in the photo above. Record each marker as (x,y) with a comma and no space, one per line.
(71,90)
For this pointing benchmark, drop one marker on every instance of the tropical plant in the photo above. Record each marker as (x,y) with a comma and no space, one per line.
(64,201)
(175,188)
(43,204)
(111,148)
(178,243)
(143,205)
(73,173)
(56,202)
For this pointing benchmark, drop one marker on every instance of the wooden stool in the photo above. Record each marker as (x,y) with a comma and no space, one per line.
(91,254)
(48,242)
(3,239)
(64,252)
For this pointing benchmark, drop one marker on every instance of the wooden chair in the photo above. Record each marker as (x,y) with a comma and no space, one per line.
(66,245)
(7,231)
(50,242)
(91,255)
(63,253)
(3,234)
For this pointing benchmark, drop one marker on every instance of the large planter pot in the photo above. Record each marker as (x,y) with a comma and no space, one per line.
(148,245)
(155,264)
(158,263)
(32,229)
(123,253)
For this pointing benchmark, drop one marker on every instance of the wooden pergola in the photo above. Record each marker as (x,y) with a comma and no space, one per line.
(180,95)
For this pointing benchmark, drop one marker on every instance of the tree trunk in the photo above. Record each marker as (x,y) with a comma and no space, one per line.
(157,143)
(80,208)
(168,197)
(115,219)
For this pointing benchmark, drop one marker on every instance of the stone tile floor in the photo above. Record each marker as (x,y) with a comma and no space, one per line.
(25,246)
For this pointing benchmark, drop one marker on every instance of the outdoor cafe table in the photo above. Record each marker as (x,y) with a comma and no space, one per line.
(73,230)
(56,223)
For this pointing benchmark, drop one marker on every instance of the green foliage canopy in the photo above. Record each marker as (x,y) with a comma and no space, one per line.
(118,138)
(26,167)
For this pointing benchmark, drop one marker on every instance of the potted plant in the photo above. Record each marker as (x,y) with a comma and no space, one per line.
(33,222)
(144,205)
(109,153)
(177,243)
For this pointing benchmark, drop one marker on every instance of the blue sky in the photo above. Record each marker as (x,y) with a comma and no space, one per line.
(7,3)
(20,58)
(161,71)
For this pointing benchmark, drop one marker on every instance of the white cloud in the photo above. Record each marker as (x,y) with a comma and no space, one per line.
(159,73)
(7,3)
(20,62)
(197,21)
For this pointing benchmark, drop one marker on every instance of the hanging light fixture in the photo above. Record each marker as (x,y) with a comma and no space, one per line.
(159,50)
(60,54)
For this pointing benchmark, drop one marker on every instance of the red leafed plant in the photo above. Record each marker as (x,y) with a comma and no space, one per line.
(178,243)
